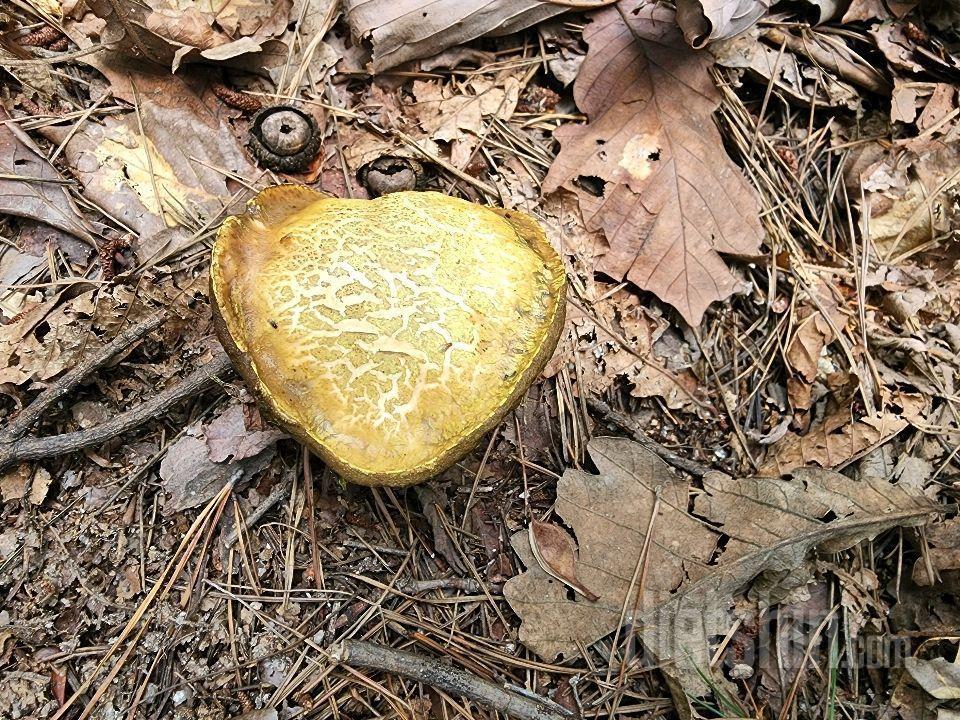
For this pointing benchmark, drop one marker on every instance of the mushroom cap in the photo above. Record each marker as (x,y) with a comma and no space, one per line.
(388,335)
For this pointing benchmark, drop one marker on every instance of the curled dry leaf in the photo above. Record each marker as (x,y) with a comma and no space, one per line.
(682,591)
(402,30)
(704,21)
(556,552)
(168,32)
(649,168)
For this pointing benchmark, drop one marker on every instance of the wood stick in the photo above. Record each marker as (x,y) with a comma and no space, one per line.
(439,674)
(34,448)
(631,426)
(19,426)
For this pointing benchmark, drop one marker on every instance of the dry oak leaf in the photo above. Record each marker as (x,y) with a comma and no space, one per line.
(402,30)
(770,527)
(671,199)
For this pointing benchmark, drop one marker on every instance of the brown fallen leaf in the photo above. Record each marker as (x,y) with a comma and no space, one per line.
(938,676)
(942,555)
(231,437)
(30,187)
(649,168)
(870,9)
(909,192)
(25,482)
(402,30)
(812,334)
(813,331)
(556,552)
(170,32)
(615,337)
(169,178)
(434,503)
(798,79)
(26,355)
(704,21)
(769,525)
(190,474)
(892,40)
(939,109)
(459,118)
(904,101)
(832,442)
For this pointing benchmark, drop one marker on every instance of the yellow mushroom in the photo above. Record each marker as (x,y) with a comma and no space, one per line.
(388,335)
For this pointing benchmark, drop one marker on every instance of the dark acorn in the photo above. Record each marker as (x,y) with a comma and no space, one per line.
(284,138)
(392,173)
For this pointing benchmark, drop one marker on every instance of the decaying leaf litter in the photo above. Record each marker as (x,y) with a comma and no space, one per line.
(733,492)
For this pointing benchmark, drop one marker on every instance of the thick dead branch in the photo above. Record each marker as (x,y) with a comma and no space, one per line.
(357,653)
(31,448)
(35,410)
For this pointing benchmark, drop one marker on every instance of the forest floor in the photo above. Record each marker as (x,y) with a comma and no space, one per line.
(732,493)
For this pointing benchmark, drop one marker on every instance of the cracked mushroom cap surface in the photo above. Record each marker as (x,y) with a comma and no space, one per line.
(388,335)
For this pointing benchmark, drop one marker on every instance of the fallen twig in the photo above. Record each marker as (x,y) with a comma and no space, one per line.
(439,674)
(19,426)
(17,450)
(53,59)
(631,426)
(414,587)
(279,494)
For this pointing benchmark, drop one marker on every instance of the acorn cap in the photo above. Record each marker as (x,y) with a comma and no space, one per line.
(387,335)
(284,138)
